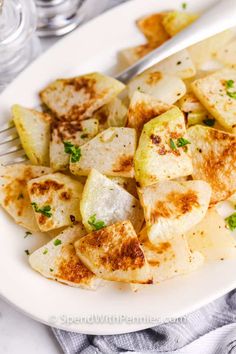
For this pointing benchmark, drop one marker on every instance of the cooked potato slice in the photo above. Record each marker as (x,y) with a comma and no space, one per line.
(214,160)
(169,259)
(207,50)
(128,184)
(105,201)
(113,114)
(114,253)
(163,87)
(77,98)
(130,55)
(143,108)
(190,103)
(14,197)
(34,130)
(172,208)
(55,200)
(152,28)
(176,21)
(163,149)
(227,53)
(57,260)
(111,152)
(179,64)
(216,92)
(77,133)
(212,238)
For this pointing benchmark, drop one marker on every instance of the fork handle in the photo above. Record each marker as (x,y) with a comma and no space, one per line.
(218,18)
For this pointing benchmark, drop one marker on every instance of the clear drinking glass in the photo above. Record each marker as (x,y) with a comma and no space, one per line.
(58,17)
(19,44)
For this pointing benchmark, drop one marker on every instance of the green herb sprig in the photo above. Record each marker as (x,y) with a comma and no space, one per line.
(96,224)
(46,210)
(72,150)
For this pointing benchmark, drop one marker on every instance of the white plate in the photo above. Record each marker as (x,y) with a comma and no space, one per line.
(94,47)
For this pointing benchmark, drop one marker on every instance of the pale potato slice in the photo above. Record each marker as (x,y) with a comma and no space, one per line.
(207,50)
(128,184)
(170,259)
(55,200)
(213,92)
(113,114)
(143,108)
(172,208)
(212,238)
(227,53)
(34,131)
(152,28)
(57,260)
(130,55)
(77,98)
(164,87)
(105,202)
(179,64)
(77,133)
(114,253)
(176,21)
(111,152)
(189,103)
(14,197)
(214,160)
(160,155)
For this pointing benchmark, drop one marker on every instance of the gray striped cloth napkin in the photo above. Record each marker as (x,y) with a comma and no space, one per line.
(210,330)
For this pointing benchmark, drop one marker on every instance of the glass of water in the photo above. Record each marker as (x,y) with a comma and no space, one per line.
(58,17)
(18,43)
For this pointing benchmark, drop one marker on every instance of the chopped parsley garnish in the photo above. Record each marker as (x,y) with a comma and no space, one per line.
(51,270)
(84,136)
(57,242)
(230,85)
(184,5)
(210,122)
(46,210)
(172,144)
(45,251)
(27,252)
(28,233)
(20,196)
(73,150)
(182,142)
(231,221)
(96,224)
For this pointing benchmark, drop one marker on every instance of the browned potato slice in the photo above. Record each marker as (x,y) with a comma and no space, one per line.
(111,152)
(114,253)
(57,260)
(14,196)
(143,108)
(214,160)
(172,208)
(217,94)
(77,98)
(152,28)
(55,200)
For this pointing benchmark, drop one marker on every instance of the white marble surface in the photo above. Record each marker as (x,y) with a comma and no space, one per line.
(22,335)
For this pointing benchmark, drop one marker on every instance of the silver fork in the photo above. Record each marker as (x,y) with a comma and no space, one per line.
(11,150)
(220,17)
